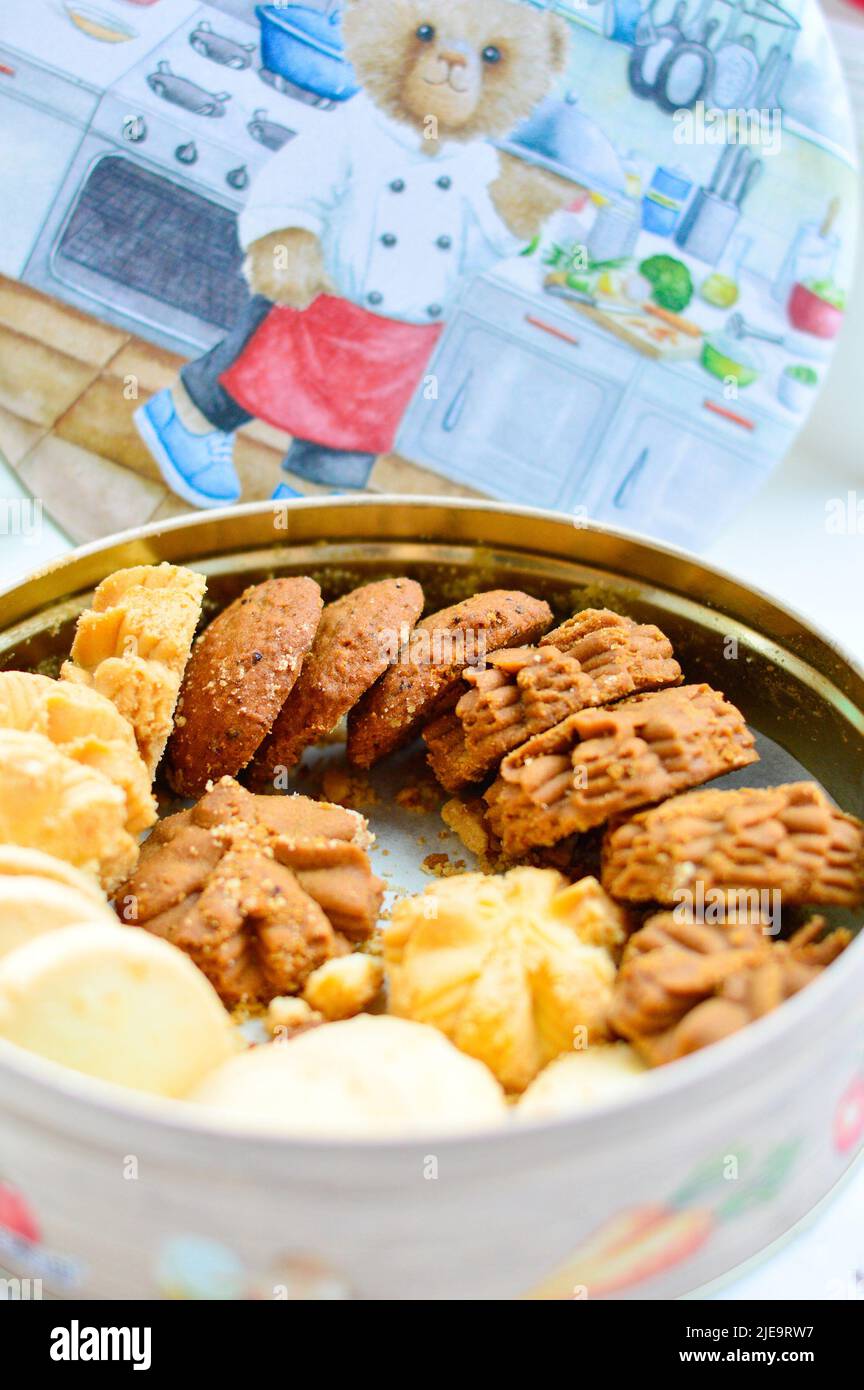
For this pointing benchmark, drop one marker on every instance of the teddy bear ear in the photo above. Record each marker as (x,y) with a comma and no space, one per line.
(559,38)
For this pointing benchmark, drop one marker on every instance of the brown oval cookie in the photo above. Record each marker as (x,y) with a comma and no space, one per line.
(357,639)
(242,669)
(429,668)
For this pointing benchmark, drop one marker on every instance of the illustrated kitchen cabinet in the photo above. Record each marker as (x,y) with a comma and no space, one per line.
(42,122)
(523,399)
(657,469)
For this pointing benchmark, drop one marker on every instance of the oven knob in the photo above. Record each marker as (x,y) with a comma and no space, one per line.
(238,178)
(135,129)
(187,154)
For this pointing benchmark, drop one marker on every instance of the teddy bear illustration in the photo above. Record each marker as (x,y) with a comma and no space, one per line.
(359,243)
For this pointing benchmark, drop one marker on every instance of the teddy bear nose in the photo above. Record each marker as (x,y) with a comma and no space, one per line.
(454,54)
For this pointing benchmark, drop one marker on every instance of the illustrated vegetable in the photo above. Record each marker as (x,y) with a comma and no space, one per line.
(672,285)
(719,290)
(829,291)
(805,375)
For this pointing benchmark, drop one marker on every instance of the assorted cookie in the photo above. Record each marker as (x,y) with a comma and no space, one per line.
(114,1004)
(242,670)
(513,968)
(789,839)
(367,1077)
(353,646)
(427,671)
(88,728)
(684,985)
(594,658)
(259,891)
(39,893)
(50,802)
(605,762)
(522,984)
(132,646)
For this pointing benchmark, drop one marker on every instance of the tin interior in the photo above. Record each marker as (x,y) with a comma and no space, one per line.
(802,696)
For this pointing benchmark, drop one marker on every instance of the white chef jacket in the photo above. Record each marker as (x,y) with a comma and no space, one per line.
(401,229)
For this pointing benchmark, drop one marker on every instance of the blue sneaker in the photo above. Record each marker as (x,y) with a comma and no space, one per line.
(198,467)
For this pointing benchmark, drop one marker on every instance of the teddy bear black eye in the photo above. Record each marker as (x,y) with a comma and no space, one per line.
(426,33)
(492,54)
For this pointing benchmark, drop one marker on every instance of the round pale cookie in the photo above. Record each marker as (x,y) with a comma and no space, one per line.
(578,1080)
(29,907)
(115,1003)
(370,1077)
(428,669)
(50,802)
(33,863)
(357,639)
(87,727)
(242,669)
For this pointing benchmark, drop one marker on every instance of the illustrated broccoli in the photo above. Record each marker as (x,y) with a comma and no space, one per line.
(671,282)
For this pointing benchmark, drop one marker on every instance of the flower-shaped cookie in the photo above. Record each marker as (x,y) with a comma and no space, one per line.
(87,727)
(259,891)
(684,985)
(49,801)
(515,969)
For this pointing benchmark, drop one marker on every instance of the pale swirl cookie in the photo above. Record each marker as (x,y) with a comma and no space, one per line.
(133,643)
(515,969)
(87,727)
(50,802)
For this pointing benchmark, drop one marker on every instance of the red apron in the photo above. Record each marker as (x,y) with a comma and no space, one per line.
(333,374)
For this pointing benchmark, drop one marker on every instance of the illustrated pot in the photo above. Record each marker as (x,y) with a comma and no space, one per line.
(812,314)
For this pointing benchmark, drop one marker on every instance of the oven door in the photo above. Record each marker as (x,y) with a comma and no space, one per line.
(141,251)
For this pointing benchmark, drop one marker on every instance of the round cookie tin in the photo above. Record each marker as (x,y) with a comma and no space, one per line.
(704,1165)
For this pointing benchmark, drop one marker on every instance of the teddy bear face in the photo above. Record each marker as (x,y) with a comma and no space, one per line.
(476,69)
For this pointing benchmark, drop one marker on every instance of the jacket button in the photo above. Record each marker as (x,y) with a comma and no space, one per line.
(434,311)
(444,243)
(397,186)
(389,239)
(376,297)
(445,182)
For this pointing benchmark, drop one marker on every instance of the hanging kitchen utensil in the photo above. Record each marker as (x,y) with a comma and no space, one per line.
(772,87)
(736,66)
(686,72)
(647,57)
(749,177)
(737,166)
